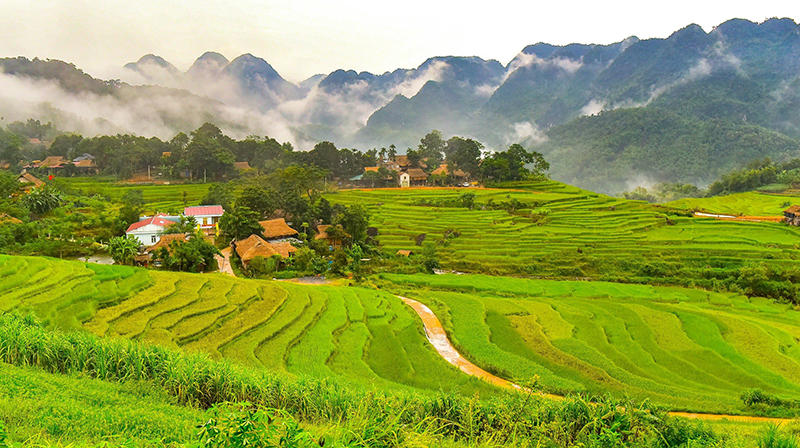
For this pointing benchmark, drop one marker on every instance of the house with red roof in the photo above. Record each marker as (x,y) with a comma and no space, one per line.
(206,216)
(150,228)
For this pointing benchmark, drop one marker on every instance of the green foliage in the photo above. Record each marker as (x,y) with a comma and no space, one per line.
(259,199)
(41,200)
(239,425)
(512,165)
(340,262)
(194,255)
(261,267)
(772,437)
(239,223)
(219,194)
(123,249)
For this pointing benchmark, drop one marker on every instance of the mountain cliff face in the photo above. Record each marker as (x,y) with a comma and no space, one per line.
(742,74)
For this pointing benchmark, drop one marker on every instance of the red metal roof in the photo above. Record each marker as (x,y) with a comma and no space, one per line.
(155,220)
(204,210)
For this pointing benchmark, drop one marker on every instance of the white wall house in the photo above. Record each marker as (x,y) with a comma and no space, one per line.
(404,180)
(148,231)
(206,216)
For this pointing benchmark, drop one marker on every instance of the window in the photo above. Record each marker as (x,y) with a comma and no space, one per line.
(153,239)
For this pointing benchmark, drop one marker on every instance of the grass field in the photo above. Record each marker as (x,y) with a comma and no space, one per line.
(752,203)
(581,234)
(364,336)
(158,198)
(685,348)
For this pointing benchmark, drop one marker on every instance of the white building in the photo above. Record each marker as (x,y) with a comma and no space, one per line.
(149,229)
(206,216)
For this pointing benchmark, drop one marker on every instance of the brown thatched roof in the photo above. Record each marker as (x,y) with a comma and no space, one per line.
(793,209)
(253,246)
(53,162)
(404,253)
(8,219)
(322,231)
(277,228)
(285,249)
(417,174)
(165,240)
(443,169)
(241,166)
(28,178)
(88,163)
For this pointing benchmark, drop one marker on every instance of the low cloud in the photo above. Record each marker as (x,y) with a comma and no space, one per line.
(593,107)
(525,60)
(525,131)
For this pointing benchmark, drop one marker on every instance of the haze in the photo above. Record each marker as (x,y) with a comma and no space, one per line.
(303,38)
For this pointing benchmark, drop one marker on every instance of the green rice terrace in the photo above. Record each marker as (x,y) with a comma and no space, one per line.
(358,334)
(752,203)
(688,348)
(562,231)
(685,348)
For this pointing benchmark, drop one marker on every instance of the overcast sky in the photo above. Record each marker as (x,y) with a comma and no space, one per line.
(303,37)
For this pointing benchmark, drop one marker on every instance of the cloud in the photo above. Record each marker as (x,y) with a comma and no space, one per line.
(525,131)
(525,60)
(593,107)
(415,79)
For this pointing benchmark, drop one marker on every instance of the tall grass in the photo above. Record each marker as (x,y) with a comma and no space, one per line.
(385,417)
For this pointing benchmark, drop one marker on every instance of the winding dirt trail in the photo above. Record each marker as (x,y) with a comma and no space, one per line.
(224,262)
(438,338)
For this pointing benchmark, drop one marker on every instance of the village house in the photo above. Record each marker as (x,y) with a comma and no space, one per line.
(276,231)
(150,228)
(255,246)
(413,177)
(206,217)
(792,215)
(28,180)
(334,242)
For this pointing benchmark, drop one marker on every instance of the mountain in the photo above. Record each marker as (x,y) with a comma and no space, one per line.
(741,77)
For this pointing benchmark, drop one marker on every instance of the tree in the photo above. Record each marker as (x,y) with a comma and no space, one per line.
(194,255)
(123,249)
(326,156)
(263,201)
(463,154)
(210,152)
(392,152)
(431,147)
(132,207)
(8,185)
(186,224)
(355,221)
(219,194)
(511,164)
(239,223)
(340,262)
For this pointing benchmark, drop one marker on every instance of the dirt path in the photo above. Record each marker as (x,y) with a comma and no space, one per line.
(437,336)
(739,218)
(224,262)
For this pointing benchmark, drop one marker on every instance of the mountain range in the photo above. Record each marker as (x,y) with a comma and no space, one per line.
(742,77)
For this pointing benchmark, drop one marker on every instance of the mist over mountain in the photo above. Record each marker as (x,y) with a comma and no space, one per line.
(743,77)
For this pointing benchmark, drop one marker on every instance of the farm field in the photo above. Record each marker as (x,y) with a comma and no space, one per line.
(685,348)
(158,198)
(364,336)
(752,203)
(568,232)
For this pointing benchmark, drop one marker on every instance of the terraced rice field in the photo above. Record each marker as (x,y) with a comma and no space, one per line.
(686,348)
(584,234)
(365,336)
(158,198)
(751,203)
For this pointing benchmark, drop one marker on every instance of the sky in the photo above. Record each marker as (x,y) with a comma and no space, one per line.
(300,38)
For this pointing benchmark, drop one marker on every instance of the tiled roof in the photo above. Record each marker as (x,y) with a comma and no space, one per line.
(277,228)
(155,220)
(204,210)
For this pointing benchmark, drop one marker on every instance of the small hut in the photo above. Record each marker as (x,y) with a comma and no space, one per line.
(792,215)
